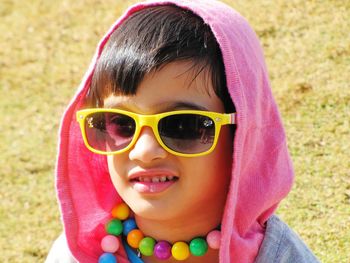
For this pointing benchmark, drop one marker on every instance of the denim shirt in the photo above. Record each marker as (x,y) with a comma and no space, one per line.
(280,245)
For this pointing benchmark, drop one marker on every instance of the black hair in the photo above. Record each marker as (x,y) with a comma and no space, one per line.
(150,39)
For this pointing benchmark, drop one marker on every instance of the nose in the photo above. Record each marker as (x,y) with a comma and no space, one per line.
(147,148)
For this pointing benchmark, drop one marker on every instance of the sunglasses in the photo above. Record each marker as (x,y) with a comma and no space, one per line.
(187,133)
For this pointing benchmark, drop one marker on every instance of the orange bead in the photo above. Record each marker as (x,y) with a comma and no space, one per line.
(134,238)
(121,211)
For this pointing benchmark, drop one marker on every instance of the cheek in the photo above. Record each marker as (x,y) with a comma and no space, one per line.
(116,172)
(212,173)
(221,159)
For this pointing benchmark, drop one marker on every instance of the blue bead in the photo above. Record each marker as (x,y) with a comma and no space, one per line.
(129,225)
(107,258)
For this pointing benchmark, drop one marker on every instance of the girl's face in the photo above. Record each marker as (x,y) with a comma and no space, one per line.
(194,185)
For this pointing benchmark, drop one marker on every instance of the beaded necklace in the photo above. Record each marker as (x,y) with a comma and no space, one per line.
(122,225)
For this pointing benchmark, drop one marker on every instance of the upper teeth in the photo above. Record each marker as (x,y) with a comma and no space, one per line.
(156,179)
(145,179)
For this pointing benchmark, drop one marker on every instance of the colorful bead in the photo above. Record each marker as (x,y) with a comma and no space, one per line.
(110,244)
(213,239)
(146,246)
(180,251)
(198,247)
(121,211)
(134,237)
(114,227)
(162,250)
(107,258)
(129,225)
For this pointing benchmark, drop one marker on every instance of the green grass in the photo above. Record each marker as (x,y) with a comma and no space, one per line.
(46,47)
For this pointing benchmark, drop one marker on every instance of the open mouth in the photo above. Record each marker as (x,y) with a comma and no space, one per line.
(155,179)
(153,184)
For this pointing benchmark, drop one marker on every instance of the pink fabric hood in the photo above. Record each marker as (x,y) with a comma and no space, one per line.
(262,172)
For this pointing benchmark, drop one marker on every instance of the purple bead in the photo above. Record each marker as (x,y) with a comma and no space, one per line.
(162,250)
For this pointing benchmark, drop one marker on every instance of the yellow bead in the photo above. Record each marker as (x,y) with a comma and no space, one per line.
(180,251)
(121,211)
(134,238)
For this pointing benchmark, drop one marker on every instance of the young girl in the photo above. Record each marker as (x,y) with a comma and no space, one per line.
(173,148)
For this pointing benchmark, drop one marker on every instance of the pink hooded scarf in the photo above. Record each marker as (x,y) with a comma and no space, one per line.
(262,172)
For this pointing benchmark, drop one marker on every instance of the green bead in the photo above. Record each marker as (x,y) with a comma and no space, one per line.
(198,247)
(114,227)
(146,246)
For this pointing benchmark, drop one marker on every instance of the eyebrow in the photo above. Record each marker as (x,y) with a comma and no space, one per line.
(177,105)
(185,105)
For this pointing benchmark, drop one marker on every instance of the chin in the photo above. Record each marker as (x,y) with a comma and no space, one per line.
(150,208)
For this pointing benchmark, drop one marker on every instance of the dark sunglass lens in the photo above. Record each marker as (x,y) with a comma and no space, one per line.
(109,132)
(187,133)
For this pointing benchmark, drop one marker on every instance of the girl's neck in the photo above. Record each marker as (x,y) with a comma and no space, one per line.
(179,229)
(196,222)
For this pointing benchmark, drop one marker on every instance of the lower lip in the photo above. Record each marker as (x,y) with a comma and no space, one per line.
(151,188)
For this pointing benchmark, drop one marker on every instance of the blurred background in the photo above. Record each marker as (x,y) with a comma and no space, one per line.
(46,46)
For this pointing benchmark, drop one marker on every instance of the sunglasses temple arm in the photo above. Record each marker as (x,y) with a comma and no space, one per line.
(233,118)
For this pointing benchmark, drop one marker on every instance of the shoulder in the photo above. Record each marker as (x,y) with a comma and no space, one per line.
(59,252)
(281,244)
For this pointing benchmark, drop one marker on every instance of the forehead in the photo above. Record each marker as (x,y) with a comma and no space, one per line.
(174,86)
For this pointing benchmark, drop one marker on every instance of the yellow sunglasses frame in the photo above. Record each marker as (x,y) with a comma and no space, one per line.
(151,121)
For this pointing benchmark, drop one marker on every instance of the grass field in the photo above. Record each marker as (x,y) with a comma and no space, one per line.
(46,47)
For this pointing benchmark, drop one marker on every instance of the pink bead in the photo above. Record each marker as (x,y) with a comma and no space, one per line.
(213,239)
(110,244)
